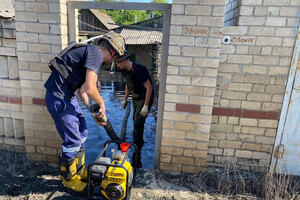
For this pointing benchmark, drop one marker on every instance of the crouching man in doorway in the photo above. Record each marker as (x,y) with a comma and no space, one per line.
(74,70)
(139,84)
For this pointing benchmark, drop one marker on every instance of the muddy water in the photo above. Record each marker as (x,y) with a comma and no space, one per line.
(112,94)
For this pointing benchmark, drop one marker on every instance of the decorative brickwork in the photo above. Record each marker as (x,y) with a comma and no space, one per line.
(236,112)
(38,101)
(3,99)
(188,108)
(15,100)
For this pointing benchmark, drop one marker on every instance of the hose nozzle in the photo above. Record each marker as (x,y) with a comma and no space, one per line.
(96,110)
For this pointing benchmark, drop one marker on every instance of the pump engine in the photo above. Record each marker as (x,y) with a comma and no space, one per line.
(112,177)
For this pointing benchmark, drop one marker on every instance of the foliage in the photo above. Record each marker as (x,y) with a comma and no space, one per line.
(128,16)
(157,13)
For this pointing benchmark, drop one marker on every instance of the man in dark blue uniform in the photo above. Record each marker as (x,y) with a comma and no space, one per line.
(76,70)
(139,84)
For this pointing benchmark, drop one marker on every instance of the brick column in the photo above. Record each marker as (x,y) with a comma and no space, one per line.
(41,32)
(194,50)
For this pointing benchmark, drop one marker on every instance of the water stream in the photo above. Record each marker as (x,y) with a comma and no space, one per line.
(112,94)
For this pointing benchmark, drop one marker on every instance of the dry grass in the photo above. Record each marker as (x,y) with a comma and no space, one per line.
(281,187)
(231,183)
(23,179)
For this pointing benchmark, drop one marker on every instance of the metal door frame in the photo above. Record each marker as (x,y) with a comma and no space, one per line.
(72,5)
(286,102)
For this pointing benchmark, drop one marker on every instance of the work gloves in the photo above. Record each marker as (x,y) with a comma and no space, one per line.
(144,111)
(124,102)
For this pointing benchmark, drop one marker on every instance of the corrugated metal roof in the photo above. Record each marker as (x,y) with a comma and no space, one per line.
(105,19)
(141,36)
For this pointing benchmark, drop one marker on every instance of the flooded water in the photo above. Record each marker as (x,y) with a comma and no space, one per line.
(112,94)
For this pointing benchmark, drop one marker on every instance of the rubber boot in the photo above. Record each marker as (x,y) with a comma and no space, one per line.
(138,163)
(68,175)
(80,165)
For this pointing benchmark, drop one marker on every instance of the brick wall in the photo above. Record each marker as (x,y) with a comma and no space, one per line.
(251,83)
(222,101)
(190,84)
(41,32)
(232,11)
(11,118)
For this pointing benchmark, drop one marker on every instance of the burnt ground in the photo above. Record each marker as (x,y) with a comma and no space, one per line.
(22,179)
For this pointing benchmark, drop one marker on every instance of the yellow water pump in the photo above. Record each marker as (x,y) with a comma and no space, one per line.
(111,177)
(114,184)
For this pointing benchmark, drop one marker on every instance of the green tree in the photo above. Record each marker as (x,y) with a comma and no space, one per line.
(125,16)
(157,13)
(159,1)
(128,16)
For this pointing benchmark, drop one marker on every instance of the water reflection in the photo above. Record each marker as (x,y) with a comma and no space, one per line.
(112,94)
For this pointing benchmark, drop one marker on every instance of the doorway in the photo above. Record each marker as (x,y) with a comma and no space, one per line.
(73,5)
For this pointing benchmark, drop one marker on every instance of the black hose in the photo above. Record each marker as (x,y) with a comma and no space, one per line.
(124,123)
(110,131)
(96,110)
